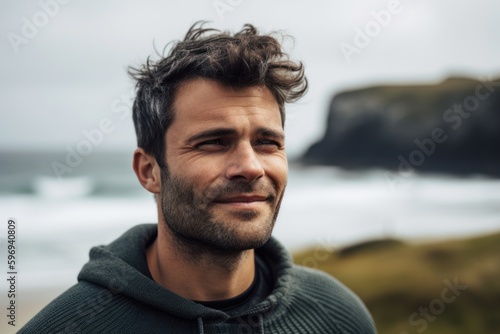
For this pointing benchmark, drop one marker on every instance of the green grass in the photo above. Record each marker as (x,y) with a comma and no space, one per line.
(397,279)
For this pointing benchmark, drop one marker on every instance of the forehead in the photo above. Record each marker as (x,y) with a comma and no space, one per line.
(203,100)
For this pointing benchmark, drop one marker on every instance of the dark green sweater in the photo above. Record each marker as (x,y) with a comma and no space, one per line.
(115,294)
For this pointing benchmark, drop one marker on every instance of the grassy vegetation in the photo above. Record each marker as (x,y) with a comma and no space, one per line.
(398,281)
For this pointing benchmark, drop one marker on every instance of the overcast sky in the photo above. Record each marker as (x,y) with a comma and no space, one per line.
(64,66)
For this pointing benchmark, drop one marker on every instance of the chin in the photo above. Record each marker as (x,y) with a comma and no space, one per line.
(246,244)
(254,238)
(240,230)
(244,238)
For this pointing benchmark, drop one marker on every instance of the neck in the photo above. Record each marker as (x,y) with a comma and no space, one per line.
(201,273)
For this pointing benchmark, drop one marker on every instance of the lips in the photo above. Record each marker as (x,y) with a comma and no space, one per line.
(243,199)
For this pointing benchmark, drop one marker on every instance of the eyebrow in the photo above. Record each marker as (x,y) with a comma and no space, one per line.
(223,132)
(266,132)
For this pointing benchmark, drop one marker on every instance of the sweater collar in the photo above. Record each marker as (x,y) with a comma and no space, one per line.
(122,268)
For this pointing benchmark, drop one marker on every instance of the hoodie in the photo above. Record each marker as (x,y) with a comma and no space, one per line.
(116,294)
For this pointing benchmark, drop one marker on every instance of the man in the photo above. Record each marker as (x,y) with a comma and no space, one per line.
(209,121)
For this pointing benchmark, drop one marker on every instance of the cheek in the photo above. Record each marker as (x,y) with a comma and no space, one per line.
(200,173)
(193,165)
(277,170)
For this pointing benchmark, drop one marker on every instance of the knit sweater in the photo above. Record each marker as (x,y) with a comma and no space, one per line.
(115,294)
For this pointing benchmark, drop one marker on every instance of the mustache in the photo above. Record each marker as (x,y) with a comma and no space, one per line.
(234,188)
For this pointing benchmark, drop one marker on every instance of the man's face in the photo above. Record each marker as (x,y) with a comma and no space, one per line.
(227,168)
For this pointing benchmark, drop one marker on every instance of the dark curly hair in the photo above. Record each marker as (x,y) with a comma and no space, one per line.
(238,60)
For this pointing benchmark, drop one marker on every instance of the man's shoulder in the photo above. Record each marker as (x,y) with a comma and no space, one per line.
(81,306)
(333,299)
(317,280)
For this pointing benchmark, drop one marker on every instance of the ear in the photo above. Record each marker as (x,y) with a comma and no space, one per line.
(147,170)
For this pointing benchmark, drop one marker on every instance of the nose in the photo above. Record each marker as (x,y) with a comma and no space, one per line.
(244,164)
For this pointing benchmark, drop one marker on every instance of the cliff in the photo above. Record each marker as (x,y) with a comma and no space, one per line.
(450,127)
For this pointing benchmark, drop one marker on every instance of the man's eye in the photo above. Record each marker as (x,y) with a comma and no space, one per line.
(211,142)
(211,145)
(268,142)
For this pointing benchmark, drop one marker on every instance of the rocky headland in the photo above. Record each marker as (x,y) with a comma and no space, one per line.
(450,127)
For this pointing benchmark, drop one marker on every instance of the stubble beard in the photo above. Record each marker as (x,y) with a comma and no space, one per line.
(195,230)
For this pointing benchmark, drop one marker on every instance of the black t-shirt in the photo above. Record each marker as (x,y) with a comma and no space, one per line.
(261,287)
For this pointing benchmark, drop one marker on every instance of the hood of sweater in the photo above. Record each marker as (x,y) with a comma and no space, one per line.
(121,267)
